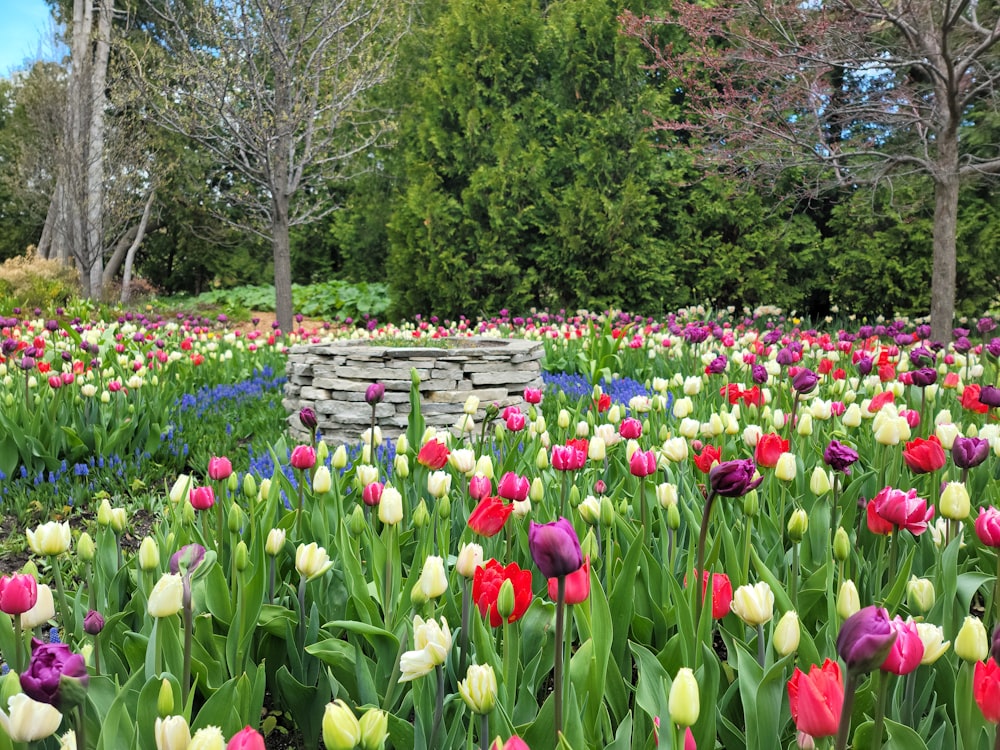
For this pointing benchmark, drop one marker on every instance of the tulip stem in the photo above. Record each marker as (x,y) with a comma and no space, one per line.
(302,612)
(463,648)
(270,580)
(298,512)
(700,558)
(844,728)
(793,583)
(883,694)
(438,706)
(388,569)
(69,620)
(911,685)
(893,554)
(484,731)
(18,645)
(747,536)
(188,615)
(558,667)
(81,727)
(761,645)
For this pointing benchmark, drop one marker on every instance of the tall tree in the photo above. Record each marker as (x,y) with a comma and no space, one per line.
(849,91)
(276,91)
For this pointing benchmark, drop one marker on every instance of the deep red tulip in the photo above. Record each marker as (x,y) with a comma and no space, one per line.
(490,515)
(924,456)
(433,455)
(722,593)
(769,448)
(970,399)
(577,585)
(486,583)
(707,457)
(986,689)
(816,699)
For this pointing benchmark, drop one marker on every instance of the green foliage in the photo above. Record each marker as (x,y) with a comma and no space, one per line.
(28,281)
(331,299)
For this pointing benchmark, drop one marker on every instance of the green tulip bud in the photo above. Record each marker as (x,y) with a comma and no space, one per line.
(339,460)
(505,599)
(417,595)
(322,452)
(589,546)
(249,487)
(798,524)
(421,516)
(920,594)
(242,556)
(85,547)
(751,504)
(444,508)
(607,511)
(235,519)
(187,514)
(165,699)
(341,729)
(374,729)
(356,524)
(684,702)
(574,496)
(233,483)
(537,490)
(841,545)
(673,518)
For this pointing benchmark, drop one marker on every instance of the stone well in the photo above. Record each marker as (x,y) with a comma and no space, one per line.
(332,378)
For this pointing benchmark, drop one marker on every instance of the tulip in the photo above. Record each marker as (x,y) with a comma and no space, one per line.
(786,467)
(341,729)
(166,598)
(986,689)
(904,510)
(995,648)
(18,593)
(208,738)
(733,478)
(769,448)
(438,484)
(932,637)
(372,494)
(470,557)
(219,468)
(816,699)
(55,675)
(924,456)
(171,733)
(486,585)
(969,452)
(577,585)
(972,643)
(642,463)
(50,538)
(513,743)
(29,720)
(839,457)
(920,593)
(307,417)
(275,542)
(675,449)
(303,457)
(374,726)
(754,604)
(43,610)
(819,481)
(374,394)
(312,561)
(865,639)
(988,526)
(666,494)
(149,554)
(433,455)
(433,581)
(247,738)
(907,650)
(684,703)
(432,643)
(390,509)
(513,487)
(787,633)
(202,498)
(322,481)
(555,548)
(955,503)
(479,688)
(93,623)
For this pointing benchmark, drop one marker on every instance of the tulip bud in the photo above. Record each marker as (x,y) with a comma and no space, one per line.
(798,524)
(171,732)
(972,643)
(537,491)
(920,594)
(787,633)
(374,726)
(149,554)
(356,524)
(848,600)
(234,519)
(841,545)
(786,468)
(574,496)
(322,480)
(341,729)
(165,699)
(421,516)
(542,459)
(505,600)
(249,487)
(180,489)
(187,514)
(684,701)
(104,513)
(666,494)
(242,556)
(607,512)
(444,507)
(754,604)
(470,557)
(479,688)
(265,489)
(85,547)
(955,503)
(339,460)
(819,482)
(401,464)
(275,542)
(390,509)
(233,482)
(433,580)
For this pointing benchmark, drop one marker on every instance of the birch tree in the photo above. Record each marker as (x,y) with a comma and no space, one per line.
(839,93)
(277,92)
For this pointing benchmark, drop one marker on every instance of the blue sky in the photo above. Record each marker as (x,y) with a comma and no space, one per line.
(24,24)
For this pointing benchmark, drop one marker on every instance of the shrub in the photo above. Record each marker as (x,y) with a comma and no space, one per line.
(31,281)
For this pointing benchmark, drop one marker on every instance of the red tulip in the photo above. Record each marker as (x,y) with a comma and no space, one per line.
(246,739)
(486,583)
(816,698)
(603,403)
(219,468)
(433,455)
(769,447)
(907,650)
(970,400)
(924,456)
(722,593)
(202,498)
(877,524)
(490,515)
(904,510)
(988,527)
(707,457)
(577,584)
(986,689)
(18,593)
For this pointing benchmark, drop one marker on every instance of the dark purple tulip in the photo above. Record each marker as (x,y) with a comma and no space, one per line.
(805,381)
(772,337)
(989,395)
(55,675)
(785,356)
(968,452)
(555,548)
(93,623)
(865,639)
(985,325)
(922,357)
(733,478)
(996,644)
(308,418)
(924,377)
(717,366)
(865,331)
(759,374)
(962,345)
(375,393)
(923,331)
(994,348)
(839,457)
(865,365)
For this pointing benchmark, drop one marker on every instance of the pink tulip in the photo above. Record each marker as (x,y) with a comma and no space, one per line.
(642,463)
(480,487)
(988,527)
(303,457)
(202,498)
(513,487)
(907,650)
(219,468)
(246,739)
(18,593)
(904,510)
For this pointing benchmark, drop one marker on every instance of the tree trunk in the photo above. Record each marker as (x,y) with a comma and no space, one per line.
(281,245)
(946,188)
(130,255)
(95,148)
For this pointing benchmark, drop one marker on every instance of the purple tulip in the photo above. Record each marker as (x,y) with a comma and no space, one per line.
(55,675)
(308,418)
(759,374)
(839,457)
(985,325)
(805,381)
(733,478)
(989,395)
(555,548)
(785,356)
(969,452)
(717,366)
(865,365)
(865,639)
(924,377)
(375,393)
(93,623)
(962,345)
(187,558)
(994,348)
(996,644)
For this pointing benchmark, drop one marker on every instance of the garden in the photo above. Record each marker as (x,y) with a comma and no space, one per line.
(707,530)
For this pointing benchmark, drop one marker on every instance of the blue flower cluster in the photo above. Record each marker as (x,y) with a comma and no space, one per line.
(621,390)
